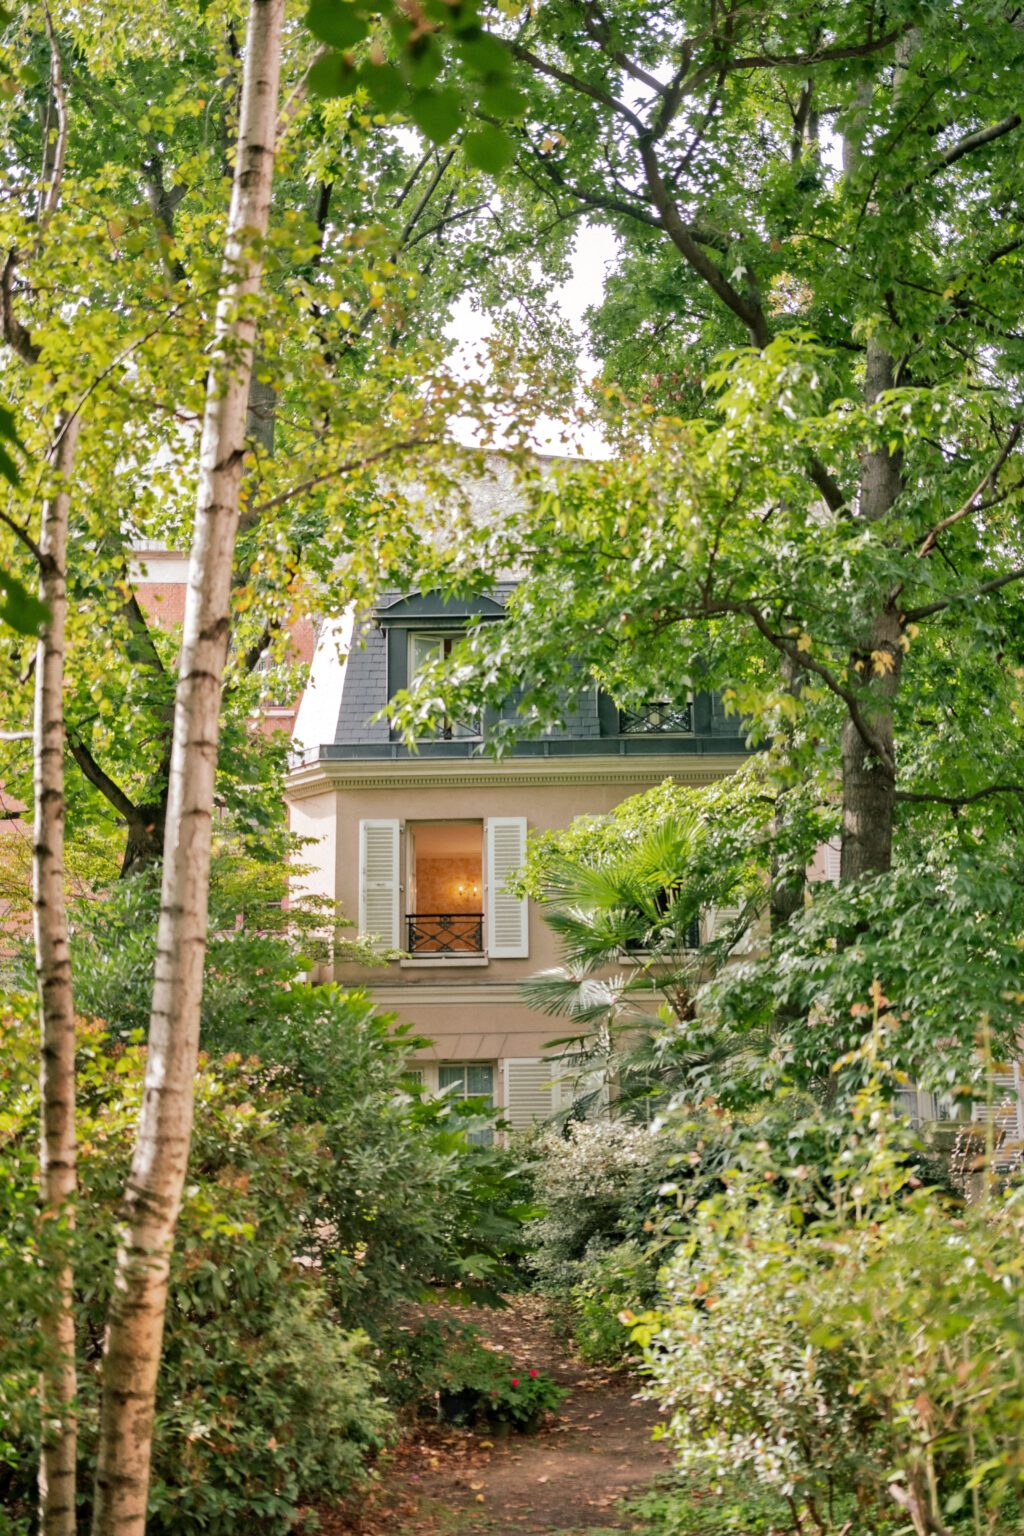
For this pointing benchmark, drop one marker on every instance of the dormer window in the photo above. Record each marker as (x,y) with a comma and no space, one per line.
(427,648)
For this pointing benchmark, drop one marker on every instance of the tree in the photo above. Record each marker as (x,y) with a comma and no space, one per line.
(648,904)
(367,253)
(110,303)
(834,199)
(56,1004)
(157,1180)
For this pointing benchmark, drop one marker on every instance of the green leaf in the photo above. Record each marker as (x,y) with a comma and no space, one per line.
(384,84)
(437,114)
(490,149)
(484,52)
(332,76)
(502,99)
(18,608)
(8,468)
(336,22)
(422,60)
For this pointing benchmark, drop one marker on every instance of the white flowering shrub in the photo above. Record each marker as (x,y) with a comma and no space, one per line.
(734,1365)
(850,1342)
(597,1184)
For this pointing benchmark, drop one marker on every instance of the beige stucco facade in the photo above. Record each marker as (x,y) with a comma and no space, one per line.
(468,1006)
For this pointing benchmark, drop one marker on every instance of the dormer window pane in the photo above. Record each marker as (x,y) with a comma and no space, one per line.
(424,649)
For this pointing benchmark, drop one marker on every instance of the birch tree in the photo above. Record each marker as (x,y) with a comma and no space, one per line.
(154,1192)
(57,1144)
(58,1388)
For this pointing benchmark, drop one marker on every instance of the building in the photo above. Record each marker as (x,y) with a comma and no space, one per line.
(160,582)
(417,846)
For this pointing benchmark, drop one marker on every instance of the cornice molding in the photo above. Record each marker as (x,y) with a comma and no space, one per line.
(517,773)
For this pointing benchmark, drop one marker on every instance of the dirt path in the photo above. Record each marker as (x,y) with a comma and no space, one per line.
(567,1477)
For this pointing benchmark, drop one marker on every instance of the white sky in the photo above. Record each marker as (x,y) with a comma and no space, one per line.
(593,249)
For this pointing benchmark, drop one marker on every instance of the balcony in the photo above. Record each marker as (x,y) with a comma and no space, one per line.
(657,718)
(445,933)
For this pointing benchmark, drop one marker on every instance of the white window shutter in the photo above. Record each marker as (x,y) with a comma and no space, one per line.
(530,1093)
(378,881)
(1006,1109)
(507,916)
(570,1088)
(832,853)
(718,919)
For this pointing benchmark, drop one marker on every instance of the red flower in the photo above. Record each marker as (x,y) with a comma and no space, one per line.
(533,1373)
(515,1381)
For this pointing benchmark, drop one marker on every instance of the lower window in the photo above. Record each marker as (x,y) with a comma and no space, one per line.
(469,1080)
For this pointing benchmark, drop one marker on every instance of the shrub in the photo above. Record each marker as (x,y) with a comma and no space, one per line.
(615,1282)
(264,1401)
(402,1200)
(444,1367)
(855,1338)
(597,1185)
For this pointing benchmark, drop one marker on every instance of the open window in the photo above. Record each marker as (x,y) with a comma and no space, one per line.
(445,910)
(456,877)
(427,648)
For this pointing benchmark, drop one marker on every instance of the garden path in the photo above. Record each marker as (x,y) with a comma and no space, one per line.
(567,1477)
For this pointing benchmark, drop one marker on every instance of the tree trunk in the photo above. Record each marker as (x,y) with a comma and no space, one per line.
(57,1160)
(144,839)
(786,895)
(155,1185)
(869,768)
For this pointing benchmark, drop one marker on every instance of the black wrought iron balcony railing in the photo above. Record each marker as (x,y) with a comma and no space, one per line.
(445,933)
(655,717)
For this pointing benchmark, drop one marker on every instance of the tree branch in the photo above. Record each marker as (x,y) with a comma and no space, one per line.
(595,199)
(298,95)
(11,329)
(102,781)
(25,537)
(912,615)
(564,77)
(331,474)
(809,664)
(805,60)
(751,314)
(55,157)
(163,205)
(976,140)
(956,801)
(970,505)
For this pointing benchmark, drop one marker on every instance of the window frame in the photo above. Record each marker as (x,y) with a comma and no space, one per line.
(410,896)
(445,639)
(689,706)
(484,1138)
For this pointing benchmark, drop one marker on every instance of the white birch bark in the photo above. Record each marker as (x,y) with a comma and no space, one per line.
(154,1191)
(57,1149)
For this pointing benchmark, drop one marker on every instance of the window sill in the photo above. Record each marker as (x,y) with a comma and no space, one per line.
(442,962)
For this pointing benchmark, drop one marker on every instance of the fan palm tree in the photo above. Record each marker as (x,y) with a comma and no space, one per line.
(642,927)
